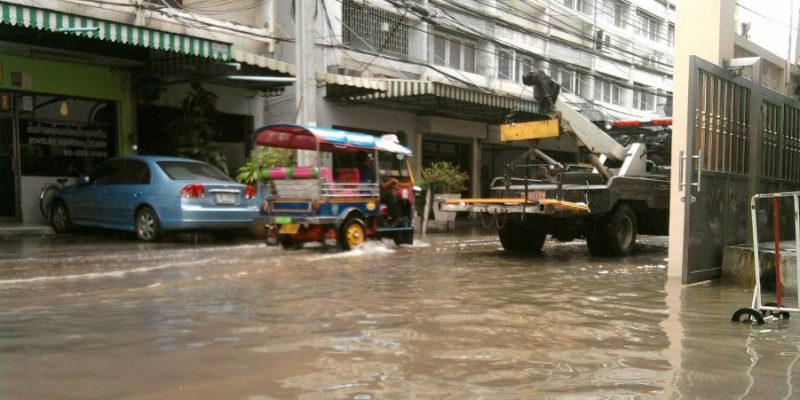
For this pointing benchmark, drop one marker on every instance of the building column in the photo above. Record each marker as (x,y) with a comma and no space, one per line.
(475,169)
(417,160)
(705,29)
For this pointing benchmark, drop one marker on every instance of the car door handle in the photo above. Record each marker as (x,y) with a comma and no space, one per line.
(137,194)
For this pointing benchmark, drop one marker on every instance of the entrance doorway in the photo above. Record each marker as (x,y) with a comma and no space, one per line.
(7,177)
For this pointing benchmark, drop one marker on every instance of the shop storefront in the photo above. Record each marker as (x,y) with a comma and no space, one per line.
(57,119)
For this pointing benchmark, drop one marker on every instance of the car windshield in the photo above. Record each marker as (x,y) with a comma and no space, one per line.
(186,170)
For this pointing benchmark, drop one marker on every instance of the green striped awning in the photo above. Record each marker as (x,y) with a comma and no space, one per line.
(70,24)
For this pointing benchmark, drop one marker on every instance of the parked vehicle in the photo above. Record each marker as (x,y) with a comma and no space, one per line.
(344,202)
(151,195)
(625,193)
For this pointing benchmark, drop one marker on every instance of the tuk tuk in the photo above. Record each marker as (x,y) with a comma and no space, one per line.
(360,188)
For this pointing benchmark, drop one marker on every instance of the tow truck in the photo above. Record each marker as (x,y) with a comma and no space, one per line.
(621,195)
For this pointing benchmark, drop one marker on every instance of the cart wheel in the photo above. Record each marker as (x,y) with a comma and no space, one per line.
(776,314)
(748,316)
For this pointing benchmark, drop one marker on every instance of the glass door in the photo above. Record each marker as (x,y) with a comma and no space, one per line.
(8,193)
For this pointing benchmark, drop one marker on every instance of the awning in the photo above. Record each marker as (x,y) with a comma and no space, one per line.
(338,86)
(290,136)
(437,98)
(87,27)
(262,62)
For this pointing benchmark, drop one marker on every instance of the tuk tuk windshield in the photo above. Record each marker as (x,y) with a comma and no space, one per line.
(392,165)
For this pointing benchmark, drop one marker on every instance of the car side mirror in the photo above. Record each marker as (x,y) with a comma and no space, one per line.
(84,180)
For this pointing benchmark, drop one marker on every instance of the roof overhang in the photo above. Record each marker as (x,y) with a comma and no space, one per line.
(443,99)
(339,86)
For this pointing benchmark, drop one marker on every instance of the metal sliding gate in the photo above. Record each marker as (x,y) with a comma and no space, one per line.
(743,140)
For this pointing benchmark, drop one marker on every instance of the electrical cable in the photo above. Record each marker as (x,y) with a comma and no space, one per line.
(571,66)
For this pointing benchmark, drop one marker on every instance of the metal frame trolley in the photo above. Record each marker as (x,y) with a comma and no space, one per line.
(759,310)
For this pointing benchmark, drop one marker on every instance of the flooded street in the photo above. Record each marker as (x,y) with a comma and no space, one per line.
(451,317)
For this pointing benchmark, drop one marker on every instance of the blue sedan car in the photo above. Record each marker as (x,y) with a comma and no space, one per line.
(152,194)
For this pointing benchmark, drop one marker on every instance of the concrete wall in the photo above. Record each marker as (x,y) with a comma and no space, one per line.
(705,29)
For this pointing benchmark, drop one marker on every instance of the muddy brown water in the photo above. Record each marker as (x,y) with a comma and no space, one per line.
(452,317)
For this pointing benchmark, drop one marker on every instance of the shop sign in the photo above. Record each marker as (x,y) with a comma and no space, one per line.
(54,149)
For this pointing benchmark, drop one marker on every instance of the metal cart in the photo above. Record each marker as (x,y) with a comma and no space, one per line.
(759,310)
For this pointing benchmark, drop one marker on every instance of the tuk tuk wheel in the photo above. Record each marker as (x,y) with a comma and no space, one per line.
(352,234)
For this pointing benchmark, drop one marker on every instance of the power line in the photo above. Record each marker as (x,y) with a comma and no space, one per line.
(497,54)
(578,34)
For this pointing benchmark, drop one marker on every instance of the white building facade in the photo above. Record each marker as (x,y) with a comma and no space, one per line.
(453,70)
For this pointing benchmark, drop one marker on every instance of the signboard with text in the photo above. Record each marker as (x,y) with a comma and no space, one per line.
(57,149)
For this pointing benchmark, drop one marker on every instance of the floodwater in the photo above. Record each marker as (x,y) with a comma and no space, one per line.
(451,317)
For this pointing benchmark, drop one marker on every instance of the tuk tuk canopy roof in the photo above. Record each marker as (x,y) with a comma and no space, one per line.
(290,136)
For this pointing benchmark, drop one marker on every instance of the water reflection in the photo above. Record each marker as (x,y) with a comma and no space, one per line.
(450,317)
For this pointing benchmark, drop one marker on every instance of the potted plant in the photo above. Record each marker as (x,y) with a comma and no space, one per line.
(193,135)
(250,173)
(445,181)
(263,157)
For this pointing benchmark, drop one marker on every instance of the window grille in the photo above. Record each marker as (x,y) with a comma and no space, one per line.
(791,144)
(722,124)
(374,29)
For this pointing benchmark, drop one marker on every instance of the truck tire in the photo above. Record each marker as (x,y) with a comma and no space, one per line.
(521,237)
(595,242)
(620,232)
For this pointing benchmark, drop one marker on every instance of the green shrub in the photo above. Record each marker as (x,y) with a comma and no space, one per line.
(443,177)
(264,157)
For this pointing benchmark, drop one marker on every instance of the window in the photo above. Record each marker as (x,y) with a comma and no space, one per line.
(648,26)
(671,35)
(109,173)
(577,5)
(619,14)
(524,64)
(606,91)
(134,172)
(613,11)
(565,77)
(190,170)
(453,52)
(505,60)
(374,29)
(643,100)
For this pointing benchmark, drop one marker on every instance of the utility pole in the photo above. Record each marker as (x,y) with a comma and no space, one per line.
(306,84)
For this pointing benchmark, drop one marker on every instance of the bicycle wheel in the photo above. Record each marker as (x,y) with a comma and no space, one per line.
(46,199)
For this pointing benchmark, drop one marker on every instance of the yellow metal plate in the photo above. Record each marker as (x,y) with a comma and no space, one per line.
(493,200)
(529,130)
(289,229)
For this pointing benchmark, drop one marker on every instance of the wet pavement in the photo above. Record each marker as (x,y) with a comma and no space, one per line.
(99,316)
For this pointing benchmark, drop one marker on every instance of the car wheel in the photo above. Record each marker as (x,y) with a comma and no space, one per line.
(352,234)
(148,228)
(59,217)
